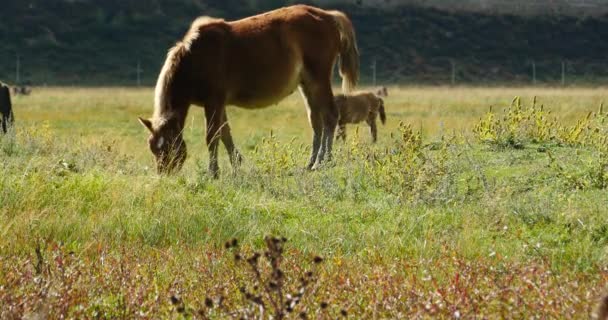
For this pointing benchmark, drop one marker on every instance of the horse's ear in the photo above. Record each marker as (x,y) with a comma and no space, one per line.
(146,123)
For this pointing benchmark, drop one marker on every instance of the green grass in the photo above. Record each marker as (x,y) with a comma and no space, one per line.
(76,176)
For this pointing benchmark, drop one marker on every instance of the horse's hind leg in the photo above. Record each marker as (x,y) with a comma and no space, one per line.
(329,128)
(323,118)
(214,126)
(316,122)
(226,136)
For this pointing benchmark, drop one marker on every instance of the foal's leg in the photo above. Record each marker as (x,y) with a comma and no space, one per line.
(323,116)
(226,136)
(341,132)
(373,129)
(214,126)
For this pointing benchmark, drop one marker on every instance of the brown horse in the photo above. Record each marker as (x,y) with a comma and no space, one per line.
(356,107)
(252,63)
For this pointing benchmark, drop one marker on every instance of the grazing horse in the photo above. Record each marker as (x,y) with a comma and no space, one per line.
(356,107)
(252,63)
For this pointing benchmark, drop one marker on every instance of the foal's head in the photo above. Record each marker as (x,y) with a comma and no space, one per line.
(167,145)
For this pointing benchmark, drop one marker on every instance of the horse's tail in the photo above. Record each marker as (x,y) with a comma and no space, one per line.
(381,111)
(349,53)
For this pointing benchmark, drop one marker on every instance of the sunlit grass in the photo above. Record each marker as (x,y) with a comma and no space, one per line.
(76,174)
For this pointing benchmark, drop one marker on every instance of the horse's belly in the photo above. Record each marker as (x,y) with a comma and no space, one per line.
(265,79)
(265,91)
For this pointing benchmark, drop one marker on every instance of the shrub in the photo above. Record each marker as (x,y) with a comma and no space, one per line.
(517,126)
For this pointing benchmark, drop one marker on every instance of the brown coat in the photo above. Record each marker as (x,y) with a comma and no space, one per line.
(356,107)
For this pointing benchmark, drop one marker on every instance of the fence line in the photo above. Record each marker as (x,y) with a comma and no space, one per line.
(374,71)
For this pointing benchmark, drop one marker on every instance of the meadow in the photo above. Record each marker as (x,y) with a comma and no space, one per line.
(455,212)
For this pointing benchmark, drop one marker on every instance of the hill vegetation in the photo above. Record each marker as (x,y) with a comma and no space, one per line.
(101,42)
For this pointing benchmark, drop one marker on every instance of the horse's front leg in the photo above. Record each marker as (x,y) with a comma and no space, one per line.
(235,156)
(213,114)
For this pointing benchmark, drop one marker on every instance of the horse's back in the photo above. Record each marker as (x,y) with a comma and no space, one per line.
(257,61)
(267,54)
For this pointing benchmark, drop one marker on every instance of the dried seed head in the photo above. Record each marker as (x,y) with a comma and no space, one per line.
(227,245)
(234,242)
(208,303)
(237,257)
(324,305)
(317,260)
(174,300)
(254,258)
(343,313)
(302,315)
(309,274)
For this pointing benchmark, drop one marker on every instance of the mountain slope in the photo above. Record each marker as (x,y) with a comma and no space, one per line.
(100,42)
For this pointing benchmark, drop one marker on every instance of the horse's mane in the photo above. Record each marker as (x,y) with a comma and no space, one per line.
(162,98)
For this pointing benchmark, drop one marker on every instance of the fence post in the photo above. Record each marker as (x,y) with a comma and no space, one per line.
(17,69)
(533,72)
(563,73)
(453,72)
(374,71)
(139,71)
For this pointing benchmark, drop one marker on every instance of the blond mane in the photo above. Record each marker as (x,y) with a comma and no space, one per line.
(162,98)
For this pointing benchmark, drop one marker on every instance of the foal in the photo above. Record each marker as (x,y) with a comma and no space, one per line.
(252,63)
(356,107)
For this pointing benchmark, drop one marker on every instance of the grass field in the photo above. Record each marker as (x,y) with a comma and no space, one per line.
(436,220)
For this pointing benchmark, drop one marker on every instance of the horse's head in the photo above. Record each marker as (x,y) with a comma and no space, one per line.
(167,145)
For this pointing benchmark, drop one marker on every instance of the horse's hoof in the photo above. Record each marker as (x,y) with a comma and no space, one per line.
(214,174)
(316,166)
(236,160)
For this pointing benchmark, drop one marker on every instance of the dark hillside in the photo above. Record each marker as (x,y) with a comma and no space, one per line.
(100,42)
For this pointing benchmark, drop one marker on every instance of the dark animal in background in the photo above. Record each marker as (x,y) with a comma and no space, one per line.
(356,107)
(6,108)
(252,63)
(22,90)
(382,92)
